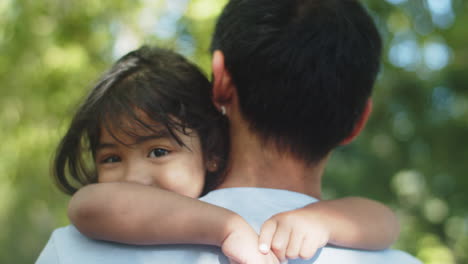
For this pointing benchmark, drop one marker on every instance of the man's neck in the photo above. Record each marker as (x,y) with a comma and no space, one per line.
(253,164)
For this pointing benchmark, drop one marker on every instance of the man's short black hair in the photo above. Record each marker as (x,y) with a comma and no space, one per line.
(304,69)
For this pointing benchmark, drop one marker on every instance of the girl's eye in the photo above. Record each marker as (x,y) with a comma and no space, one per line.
(158,152)
(111,159)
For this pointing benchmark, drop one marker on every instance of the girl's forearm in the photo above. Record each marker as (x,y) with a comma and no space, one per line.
(358,222)
(138,214)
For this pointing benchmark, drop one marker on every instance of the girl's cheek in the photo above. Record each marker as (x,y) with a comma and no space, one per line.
(108,176)
(188,184)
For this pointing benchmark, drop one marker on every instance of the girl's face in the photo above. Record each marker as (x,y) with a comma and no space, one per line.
(153,160)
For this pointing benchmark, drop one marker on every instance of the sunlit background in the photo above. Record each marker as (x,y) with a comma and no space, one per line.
(412,156)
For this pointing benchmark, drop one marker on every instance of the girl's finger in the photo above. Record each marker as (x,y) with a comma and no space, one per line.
(266,236)
(308,248)
(294,245)
(280,241)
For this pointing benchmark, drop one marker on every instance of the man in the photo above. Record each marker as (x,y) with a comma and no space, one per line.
(294,79)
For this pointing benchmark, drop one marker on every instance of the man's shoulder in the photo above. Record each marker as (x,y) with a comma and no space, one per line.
(68,246)
(329,255)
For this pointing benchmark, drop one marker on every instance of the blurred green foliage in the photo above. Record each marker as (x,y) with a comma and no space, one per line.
(411,156)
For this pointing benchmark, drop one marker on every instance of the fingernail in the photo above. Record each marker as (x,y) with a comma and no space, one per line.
(263,248)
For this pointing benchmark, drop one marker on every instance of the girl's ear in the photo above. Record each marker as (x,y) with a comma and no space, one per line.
(223,87)
(359,126)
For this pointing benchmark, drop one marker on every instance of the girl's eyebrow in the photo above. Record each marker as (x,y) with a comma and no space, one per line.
(161,134)
(105,145)
(138,140)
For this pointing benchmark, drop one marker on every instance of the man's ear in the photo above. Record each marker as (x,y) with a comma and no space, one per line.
(222,82)
(360,124)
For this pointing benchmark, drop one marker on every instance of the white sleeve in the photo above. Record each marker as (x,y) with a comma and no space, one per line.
(49,253)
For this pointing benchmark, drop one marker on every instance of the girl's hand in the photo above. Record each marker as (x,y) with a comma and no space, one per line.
(294,234)
(241,245)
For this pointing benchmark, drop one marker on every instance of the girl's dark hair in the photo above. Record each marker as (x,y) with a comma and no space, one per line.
(157,83)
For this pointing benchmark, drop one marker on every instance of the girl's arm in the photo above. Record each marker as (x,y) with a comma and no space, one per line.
(351,222)
(138,214)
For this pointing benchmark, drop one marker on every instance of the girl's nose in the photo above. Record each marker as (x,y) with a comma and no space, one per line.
(138,174)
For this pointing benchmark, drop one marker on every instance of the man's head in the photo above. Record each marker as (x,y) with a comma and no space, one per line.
(303,69)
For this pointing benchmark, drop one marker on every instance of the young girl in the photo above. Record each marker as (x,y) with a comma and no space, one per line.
(151,139)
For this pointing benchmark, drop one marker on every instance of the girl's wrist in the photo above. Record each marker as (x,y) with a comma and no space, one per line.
(233,223)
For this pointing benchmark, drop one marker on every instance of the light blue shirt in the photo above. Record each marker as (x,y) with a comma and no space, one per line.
(68,246)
